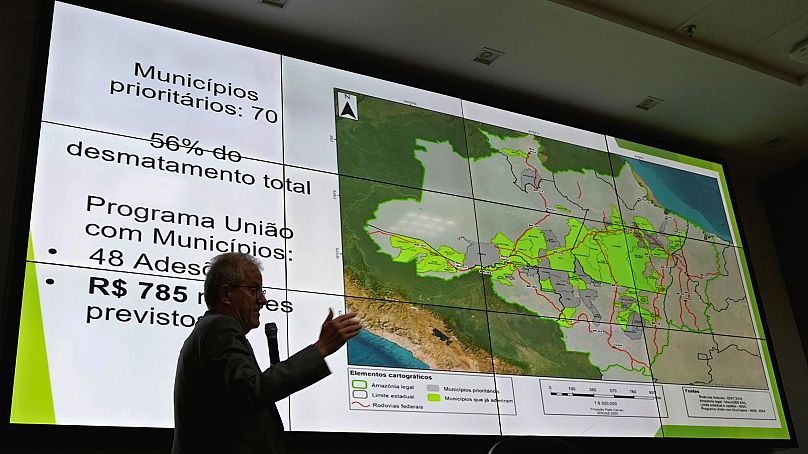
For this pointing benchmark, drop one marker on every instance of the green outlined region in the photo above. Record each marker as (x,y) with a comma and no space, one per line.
(428,260)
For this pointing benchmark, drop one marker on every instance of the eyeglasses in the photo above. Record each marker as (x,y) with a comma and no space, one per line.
(256,290)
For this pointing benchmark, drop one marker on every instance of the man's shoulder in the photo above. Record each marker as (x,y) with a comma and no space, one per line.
(211,323)
(211,331)
(212,318)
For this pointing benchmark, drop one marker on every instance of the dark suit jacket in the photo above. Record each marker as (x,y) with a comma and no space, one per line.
(223,402)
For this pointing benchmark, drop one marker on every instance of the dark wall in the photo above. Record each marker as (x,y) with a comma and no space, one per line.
(19,30)
(18,25)
(784,340)
(786,194)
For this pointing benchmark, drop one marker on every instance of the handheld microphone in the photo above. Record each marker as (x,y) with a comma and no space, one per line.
(271,330)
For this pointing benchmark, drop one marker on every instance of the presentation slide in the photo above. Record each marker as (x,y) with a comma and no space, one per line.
(515,276)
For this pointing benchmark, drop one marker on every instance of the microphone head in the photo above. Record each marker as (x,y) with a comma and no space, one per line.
(271,328)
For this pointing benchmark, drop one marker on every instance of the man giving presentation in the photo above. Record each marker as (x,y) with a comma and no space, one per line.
(223,401)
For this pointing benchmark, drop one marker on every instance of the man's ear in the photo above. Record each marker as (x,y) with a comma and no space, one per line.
(224,294)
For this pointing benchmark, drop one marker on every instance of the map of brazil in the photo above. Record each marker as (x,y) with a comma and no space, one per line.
(471,247)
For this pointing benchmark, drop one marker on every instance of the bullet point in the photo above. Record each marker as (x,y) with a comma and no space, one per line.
(51,251)
(49,281)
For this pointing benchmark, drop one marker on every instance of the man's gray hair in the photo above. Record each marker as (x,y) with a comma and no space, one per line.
(226,269)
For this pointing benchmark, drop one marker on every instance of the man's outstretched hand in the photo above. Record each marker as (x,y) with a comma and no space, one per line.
(336,331)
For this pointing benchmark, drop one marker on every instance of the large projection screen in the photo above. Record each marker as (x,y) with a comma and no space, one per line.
(516,276)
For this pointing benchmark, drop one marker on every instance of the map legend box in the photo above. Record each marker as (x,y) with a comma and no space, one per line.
(432,392)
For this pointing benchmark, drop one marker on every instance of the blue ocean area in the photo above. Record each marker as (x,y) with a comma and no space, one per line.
(694,197)
(367,349)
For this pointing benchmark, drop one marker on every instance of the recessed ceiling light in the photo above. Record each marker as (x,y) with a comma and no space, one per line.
(278,3)
(800,52)
(648,103)
(487,55)
(777,141)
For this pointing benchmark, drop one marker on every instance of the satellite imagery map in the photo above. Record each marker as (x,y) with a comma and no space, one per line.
(473,247)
